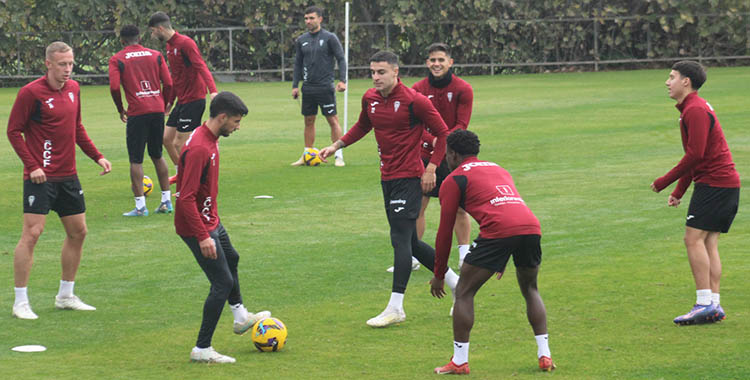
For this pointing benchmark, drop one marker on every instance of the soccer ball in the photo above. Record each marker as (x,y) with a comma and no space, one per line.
(148,185)
(269,334)
(312,157)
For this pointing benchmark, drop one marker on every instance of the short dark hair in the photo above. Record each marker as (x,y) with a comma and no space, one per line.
(439,46)
(464,142)
(130,33)
(385,56)
(314,9)
(159,19)
(227,103)
(692,70)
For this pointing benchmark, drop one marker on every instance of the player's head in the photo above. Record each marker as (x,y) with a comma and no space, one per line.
(160,26)
(685,77)
(384,71)
(439,59)
(313,18)
(59,61)
(129,35)
(461,143)
(227,109)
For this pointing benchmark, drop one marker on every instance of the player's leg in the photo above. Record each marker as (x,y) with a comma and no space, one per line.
(137,132)
(170,132)
(421,222)
(310,131)
(712,246)
(309,110)
(154,142)
(703,310)
(462,229)
(72,250)
(221,279)
(23,258)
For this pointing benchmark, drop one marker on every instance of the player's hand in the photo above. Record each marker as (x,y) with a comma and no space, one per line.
(168,109)
(213,95)
(105,165)
(653,187)
(295,93)
(326,152)
(437,288)
(500,274)
(124,117)
(428,180)
(672,201)
(208,248)
(37,176)
(341,86)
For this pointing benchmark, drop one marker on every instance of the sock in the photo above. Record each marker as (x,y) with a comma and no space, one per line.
(463,249)
(703,296)
(397,301)
(339,154)
(22,295)
(239,312)
(460,352)
(451,279)
(140,202)
(166,195)
(175,170)
(66,289)
(715,298)
(198,349)
(542,343)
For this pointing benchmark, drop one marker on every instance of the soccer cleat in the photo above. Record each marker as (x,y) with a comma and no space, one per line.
(720,315)
(72,303)
(453,369)
(241,328)
(414,265)
(209,355)
(164,207)
(173,179)
(299,162)
(546,364)
(23,311)
(387,318)
(699,314)
(339,162)
(137,212)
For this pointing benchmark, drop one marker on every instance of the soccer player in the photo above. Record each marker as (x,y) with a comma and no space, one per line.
(453,98)
(142,72)
(44,128)
(313,65)
(506,227)
(398,115)
(716,195)
(191,78)
(197,222)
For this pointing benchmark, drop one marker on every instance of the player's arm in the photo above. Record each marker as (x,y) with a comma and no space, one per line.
(195,58)
(167,83)
(86,145)
(114,87)
(463,110)
(19,116)
(449,199)
(358,130)
(298,62)
(697,123)
(192,162)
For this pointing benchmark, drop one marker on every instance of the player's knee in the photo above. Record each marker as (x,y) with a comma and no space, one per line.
(31,234)
(78,234)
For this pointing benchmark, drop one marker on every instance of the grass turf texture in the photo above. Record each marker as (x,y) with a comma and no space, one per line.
(583,149)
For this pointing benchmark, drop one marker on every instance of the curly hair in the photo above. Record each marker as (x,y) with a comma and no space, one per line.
(463,142)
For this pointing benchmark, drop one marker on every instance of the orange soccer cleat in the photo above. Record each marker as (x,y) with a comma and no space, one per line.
(546,364)
(453,369)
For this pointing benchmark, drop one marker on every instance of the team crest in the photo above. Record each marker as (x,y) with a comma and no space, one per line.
(31,200)
(396,104)
(450,96)
(321,42)
(504,189)
(72,98)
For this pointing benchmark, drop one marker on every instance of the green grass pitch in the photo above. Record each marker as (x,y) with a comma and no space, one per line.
(583,149)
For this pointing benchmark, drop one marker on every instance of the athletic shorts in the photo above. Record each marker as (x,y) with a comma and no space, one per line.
(145,130)
(493,254)
(186,117)
(65,198)
(325,99)
(712,208)
(441,172)
(403,197)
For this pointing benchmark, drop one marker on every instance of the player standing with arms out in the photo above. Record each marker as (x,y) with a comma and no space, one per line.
(44,128)
(716,195)
(313,65)
(191,78)
(197,222)
(142,72)
(453,98)
(506,227)
(398,115)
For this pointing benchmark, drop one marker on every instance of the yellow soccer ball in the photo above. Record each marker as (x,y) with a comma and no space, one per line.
(269,334)
(312,157)
(148,185)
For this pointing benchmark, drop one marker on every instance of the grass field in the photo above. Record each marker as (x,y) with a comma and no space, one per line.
(583,149)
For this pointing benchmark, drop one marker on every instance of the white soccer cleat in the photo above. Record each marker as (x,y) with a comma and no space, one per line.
(414,265)
(209,355)
(339,162)
(23,311)
(387,318)
(242,327)
(72,303)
